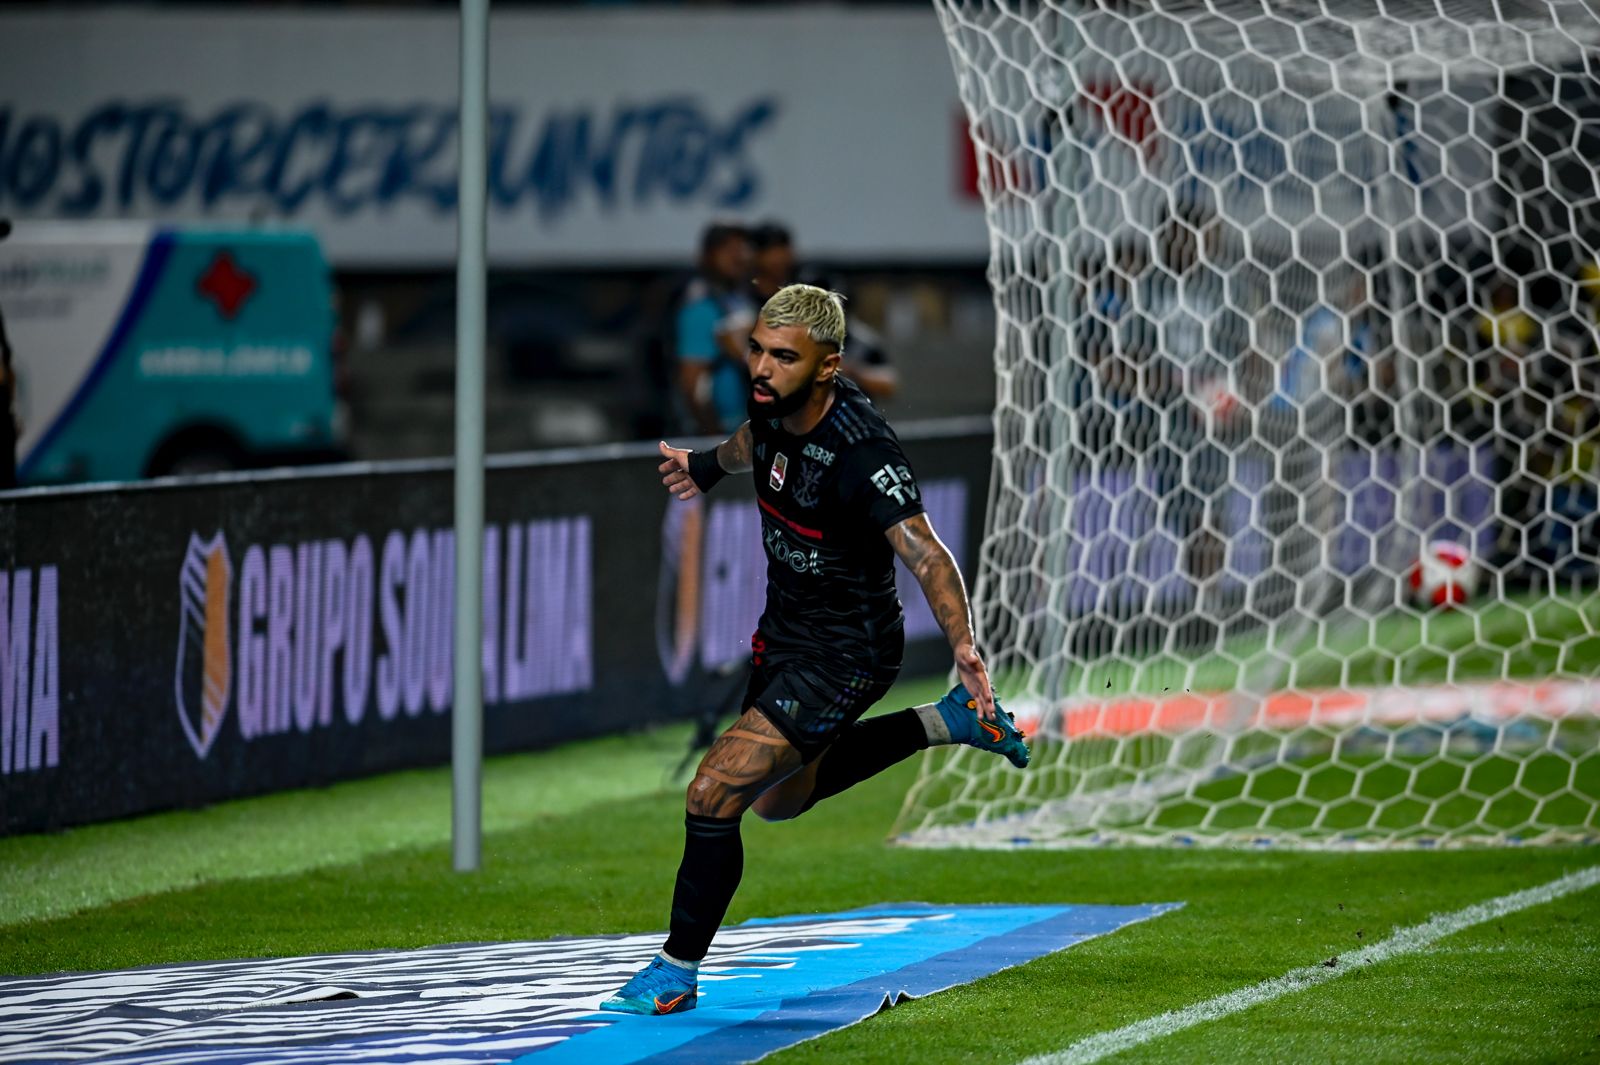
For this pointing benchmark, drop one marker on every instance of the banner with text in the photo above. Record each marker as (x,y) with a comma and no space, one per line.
(614,136)
(175,644)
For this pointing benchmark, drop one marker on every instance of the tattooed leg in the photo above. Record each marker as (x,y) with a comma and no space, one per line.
(745,761)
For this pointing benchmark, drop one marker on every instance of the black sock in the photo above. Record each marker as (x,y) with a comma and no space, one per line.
(865,750)
(713,861)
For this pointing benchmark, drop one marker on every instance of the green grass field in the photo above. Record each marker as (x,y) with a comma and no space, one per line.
(585,839)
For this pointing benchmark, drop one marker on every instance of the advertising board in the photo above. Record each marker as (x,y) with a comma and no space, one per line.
(178,643)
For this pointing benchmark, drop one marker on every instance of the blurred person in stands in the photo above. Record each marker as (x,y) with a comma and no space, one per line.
(1516,378)
(1113,328)
(1575,420)
(1184,403)
(777,266)
(1335,335)
(8,418)
(1589,288)
(1505,325)
(775,262)
(8,397)
(1509,342)
(713,331)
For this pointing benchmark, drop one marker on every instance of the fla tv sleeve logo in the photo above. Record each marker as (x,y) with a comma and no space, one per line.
(895,481)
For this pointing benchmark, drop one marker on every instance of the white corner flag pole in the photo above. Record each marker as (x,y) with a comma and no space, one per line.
(466,718)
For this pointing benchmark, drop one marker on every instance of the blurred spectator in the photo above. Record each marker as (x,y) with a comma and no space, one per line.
(713,332)
(865,362)
(1184,295)
(1589,288)
(1177,354)
(8,418)
(8,395)
(1185,379)
(1505,325)
(1117,337)
(775,264)
(1337,345)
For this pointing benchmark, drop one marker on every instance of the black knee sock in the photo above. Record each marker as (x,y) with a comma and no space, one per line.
(867,749)
(713,861)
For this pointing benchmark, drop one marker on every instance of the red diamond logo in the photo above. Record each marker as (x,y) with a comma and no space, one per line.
(226,285)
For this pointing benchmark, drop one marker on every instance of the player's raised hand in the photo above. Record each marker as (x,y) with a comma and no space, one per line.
(975,676)
(675,471)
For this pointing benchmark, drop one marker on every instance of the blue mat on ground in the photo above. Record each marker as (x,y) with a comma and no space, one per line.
(768,984)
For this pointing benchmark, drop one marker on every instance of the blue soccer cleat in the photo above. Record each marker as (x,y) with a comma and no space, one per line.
(1001,736)
(658,988)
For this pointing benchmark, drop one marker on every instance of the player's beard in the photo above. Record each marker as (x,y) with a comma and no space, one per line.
(782,406)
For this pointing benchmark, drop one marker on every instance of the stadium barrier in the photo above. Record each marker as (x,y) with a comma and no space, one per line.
(180,642)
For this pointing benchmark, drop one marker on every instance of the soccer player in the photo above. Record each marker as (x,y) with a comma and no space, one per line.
(838,503)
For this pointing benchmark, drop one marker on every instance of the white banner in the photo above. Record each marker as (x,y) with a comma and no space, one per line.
(615,135)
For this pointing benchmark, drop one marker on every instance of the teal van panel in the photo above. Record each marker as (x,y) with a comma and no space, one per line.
(228,331)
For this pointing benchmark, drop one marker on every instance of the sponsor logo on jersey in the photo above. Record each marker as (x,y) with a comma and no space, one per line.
(780,469)
(796,557)
(895,481)
(821,454)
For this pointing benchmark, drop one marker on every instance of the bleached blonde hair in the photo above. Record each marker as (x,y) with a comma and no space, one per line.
(820,311)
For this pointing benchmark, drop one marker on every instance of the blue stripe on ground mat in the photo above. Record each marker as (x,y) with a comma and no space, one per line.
(768,984)
(941,947)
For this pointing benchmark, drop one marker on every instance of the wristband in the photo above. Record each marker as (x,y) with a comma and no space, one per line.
(704,469)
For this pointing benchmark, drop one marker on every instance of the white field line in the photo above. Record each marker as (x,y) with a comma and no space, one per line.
(1405,941)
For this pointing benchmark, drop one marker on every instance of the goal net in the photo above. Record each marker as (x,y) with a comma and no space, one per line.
(1292,532)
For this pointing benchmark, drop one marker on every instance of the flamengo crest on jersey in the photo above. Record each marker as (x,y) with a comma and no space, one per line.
(808,487)
(780,469)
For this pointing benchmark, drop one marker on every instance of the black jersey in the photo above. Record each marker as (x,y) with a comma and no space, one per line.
(826,499)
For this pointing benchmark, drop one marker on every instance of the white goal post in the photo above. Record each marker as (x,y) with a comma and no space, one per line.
(1296,311)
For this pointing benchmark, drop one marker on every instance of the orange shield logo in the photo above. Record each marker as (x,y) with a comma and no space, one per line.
(205,663)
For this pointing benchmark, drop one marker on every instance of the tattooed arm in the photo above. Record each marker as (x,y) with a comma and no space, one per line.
(931,563)
(733,454)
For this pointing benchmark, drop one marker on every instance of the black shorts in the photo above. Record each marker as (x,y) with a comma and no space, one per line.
(812,699)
